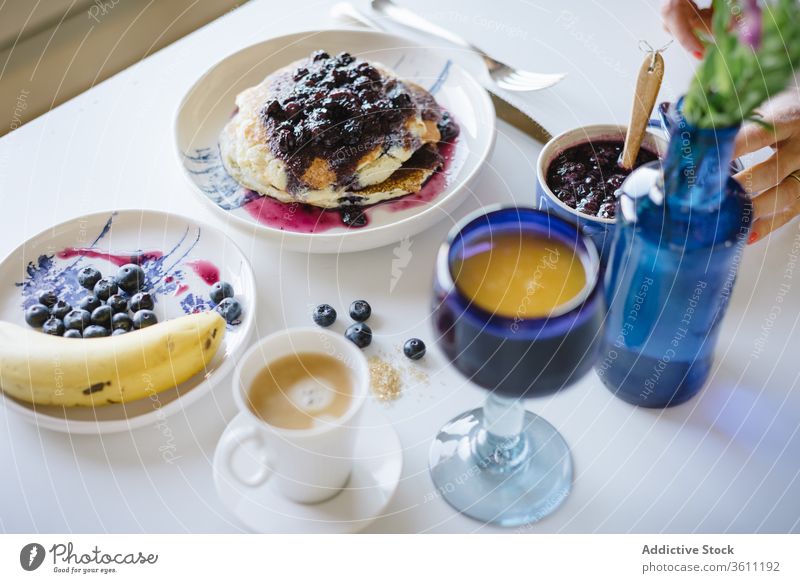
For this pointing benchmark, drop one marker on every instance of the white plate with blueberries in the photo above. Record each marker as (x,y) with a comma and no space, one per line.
(113,273)
(336,140)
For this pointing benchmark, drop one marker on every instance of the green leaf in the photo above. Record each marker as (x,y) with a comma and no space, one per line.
(733,79)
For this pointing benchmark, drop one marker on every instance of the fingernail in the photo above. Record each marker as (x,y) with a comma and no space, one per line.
(698,54)
(752,238)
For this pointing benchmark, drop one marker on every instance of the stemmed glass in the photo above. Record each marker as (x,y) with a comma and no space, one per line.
(502,464)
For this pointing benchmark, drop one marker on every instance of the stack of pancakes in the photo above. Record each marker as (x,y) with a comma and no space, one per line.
(334,131)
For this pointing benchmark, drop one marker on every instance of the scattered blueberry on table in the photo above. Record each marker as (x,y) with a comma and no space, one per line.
(324,315)
(360,310)
(414,348)
(359,334)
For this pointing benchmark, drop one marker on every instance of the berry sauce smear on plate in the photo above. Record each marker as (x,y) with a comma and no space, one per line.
(586,176)
(304,218)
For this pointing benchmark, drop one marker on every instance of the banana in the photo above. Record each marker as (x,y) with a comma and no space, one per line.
(50,370)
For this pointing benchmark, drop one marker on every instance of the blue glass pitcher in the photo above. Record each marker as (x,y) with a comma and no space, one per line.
(681,227)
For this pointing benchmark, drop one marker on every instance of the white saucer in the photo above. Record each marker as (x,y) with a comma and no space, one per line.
(376,473)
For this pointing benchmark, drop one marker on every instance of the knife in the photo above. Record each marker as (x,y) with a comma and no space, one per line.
(510,113)
(514,116)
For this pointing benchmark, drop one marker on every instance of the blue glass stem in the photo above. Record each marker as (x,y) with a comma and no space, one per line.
(500,444)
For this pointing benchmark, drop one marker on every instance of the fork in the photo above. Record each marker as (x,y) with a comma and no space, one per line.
(506,77)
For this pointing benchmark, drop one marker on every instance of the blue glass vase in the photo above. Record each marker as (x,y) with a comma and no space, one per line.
(681,227)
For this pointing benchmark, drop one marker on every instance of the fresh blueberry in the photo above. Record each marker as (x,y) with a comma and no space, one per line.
(117,303)
(73,334)
(53,326)
(230,309)
(130,278)
(48,298)
(414,348)
(105,288)
(360,310)
(144,318)
(89,303)
(88,277)
(119,331)
(220,291)
(78,320)
(141,301)
(274,109)
(324,315)
(121,321)
(353,216)
(359,334)
(96,332)
(102,316)
(60,309)
(37,315)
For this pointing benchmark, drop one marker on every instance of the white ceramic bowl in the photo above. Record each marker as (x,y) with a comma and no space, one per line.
(210,102)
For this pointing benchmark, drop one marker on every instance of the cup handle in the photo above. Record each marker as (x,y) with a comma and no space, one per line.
(234,442)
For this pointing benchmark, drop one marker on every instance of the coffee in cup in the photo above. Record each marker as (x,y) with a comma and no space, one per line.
(302,391)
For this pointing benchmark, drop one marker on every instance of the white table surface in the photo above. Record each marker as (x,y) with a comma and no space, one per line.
(725,462)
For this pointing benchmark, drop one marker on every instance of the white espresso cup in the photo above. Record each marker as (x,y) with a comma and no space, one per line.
(305,465)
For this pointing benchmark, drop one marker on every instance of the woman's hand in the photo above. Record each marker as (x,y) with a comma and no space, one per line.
(682,18)
(777,178)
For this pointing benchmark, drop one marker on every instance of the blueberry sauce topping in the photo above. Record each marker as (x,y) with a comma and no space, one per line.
(587,176)
(353,216)
(338,109)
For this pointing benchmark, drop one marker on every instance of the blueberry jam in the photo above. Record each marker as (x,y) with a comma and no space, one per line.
(586,176)
(337,108)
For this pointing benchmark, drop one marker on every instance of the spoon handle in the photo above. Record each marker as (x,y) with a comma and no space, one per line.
(647,85)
